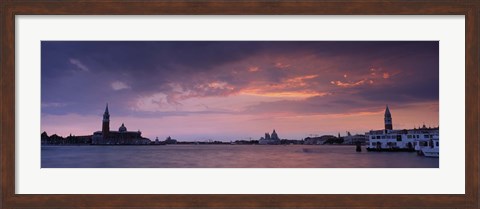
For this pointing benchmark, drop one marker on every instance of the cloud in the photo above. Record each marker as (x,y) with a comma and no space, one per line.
(79,65)
(176,73)
(213,88)
(53,104)
(300,87)
(281,65)
(369,77)
(118,85)
(351,84)
(253,69)
(283,94)
(386,75)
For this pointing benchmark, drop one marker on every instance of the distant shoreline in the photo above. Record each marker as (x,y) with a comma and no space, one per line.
(53,145)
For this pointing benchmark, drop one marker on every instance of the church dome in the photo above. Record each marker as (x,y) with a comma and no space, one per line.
(122,128)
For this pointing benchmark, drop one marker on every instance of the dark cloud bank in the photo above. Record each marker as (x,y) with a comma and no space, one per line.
(81,76)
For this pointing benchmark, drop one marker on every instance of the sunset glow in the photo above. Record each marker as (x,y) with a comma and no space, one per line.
(233,90)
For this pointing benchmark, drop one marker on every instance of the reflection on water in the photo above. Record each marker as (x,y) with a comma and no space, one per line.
(227,156)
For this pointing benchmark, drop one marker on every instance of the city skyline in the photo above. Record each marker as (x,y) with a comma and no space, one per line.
(230,90)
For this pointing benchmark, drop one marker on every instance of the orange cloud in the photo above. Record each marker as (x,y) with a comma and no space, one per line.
(297,81)
(290,94)
(216,85)
(290,87)
(386,75)
(253,69)
(281,65)
(350,84)
(373,75)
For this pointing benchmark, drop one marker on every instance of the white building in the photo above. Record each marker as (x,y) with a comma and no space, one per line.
(406,139)
(352,139)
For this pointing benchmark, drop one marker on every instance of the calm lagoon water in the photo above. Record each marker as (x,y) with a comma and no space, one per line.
(227,156)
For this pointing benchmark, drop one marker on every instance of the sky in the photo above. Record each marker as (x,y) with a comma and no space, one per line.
(238,90)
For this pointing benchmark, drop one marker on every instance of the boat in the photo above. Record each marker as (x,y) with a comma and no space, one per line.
(430,152)
(429,148)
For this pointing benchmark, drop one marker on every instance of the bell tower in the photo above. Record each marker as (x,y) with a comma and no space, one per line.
(388,119)
(106,123)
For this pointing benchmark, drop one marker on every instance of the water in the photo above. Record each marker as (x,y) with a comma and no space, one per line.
(227,156)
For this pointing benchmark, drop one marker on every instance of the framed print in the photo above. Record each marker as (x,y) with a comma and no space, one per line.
(226,102)
(263,104)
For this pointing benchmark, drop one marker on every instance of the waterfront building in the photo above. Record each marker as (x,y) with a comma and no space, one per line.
(405,139)
(270,139)
(59,140)
(169,140)
(120,137)
(319,140)
(352,139)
